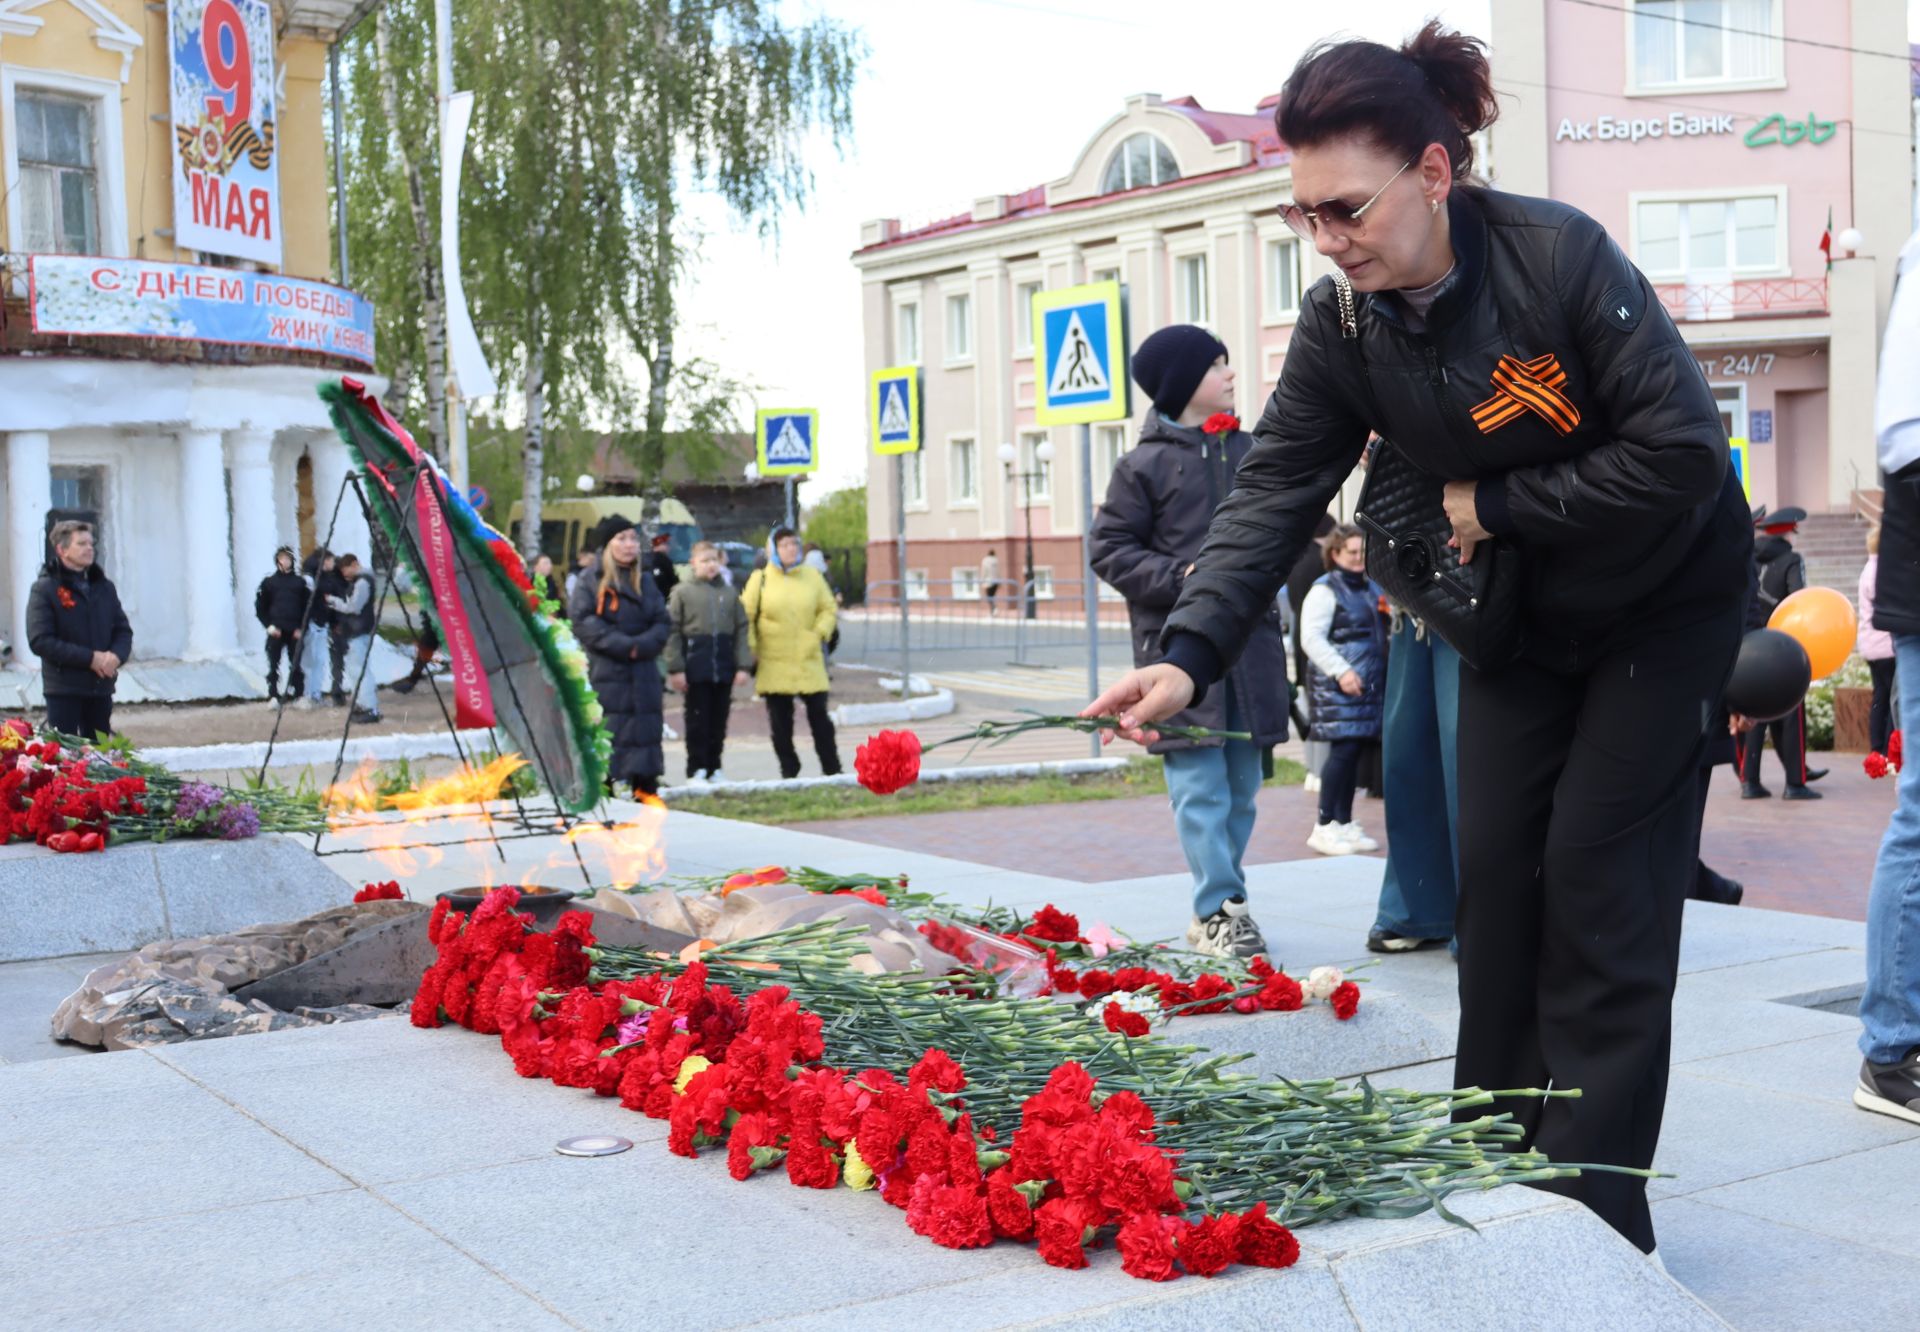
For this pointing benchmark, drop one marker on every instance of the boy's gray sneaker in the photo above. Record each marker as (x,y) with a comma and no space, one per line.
(1891,1089)
(1228,932)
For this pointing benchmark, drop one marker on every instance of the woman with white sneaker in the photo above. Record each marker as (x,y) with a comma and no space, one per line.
(1344,634)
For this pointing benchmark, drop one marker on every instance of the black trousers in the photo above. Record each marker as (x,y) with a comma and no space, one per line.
(1579,836)
(290,647)
(337,659)
(1880,711)
(780,717)
(1339,776)
(84,715)
(707,706)
(1789,742)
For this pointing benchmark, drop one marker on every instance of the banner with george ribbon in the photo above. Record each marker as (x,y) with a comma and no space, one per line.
(472,695)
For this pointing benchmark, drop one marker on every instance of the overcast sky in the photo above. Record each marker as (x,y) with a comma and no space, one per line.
(963,98)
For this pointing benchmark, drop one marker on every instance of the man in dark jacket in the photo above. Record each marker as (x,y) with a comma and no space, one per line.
(1145,539)
(280,605)
(1780,571)
(77,629)
(1889,1081)
(354,620)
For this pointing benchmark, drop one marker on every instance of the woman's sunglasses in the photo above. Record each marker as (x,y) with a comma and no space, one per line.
(1337,215)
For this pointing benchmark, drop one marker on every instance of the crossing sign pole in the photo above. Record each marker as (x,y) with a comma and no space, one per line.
(1080,336)
(893,413)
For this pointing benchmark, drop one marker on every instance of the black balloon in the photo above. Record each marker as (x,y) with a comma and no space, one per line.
(1770,676)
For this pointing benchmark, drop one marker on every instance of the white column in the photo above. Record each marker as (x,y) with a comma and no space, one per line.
(208,563)
(29,496)
(331,463)
(255,520)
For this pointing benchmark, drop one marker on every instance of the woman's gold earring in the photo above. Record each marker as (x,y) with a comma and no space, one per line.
(1433,205)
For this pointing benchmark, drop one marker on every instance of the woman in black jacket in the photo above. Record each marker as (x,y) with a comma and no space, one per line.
(1507,346)
(620,618)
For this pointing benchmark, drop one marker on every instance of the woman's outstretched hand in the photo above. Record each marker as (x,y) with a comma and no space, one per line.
(1141,698)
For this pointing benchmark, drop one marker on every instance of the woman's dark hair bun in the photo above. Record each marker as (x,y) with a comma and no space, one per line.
(1436,88)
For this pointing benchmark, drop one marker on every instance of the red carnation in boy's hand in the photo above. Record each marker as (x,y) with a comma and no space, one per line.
(1896,751)
(888,762)
(1220,423)
(1877,766)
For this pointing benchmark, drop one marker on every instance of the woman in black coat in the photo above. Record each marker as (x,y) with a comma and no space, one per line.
(1508,349)
(620,618)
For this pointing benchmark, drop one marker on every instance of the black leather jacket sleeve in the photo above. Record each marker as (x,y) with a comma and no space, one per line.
(1667,453)
(1307,442)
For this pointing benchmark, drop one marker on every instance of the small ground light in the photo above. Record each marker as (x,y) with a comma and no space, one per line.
(596,1144)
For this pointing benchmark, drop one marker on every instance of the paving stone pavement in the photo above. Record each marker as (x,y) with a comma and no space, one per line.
(378,1175)
(1814,857)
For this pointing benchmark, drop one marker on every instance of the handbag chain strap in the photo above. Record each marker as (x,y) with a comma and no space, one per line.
(1343,288)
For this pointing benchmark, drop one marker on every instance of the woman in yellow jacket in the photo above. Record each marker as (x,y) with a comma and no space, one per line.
(790,613)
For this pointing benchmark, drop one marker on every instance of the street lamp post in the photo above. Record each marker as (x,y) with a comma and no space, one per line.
(1009,456)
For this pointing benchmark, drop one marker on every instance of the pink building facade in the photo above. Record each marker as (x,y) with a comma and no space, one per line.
(1712,149)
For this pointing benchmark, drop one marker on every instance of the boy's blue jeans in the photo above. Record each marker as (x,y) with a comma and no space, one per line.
(1890,1008)
(1418,895)
(1212,788)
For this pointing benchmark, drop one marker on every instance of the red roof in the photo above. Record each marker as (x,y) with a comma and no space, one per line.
(1255,129)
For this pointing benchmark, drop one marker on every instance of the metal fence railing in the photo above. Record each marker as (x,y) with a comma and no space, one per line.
(944,616)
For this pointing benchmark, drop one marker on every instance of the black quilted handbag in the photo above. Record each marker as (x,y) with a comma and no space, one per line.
(1474,607)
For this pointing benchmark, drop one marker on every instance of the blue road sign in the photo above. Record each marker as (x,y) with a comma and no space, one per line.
(1082,370)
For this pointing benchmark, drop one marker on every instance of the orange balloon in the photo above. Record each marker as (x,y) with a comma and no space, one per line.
(1821,620)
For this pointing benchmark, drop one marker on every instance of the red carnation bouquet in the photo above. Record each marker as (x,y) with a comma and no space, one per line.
(1879,765)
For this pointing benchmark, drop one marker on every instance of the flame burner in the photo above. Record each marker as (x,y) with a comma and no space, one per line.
(543,904)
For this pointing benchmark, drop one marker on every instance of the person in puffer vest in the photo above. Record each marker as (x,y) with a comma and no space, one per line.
(1344,634)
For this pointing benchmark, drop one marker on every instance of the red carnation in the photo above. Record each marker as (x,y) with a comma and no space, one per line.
(1265,1242)
(1877,766)
(888,762)
(380,892)
(1053,925)
(1146,1247)
(1345,1000)
(954,1217)
(1896,751)
(1061,1226)
(868,894)
(1210,1245)
(1124,1022)
(1220,423)
(1280,993)
(1007,1207)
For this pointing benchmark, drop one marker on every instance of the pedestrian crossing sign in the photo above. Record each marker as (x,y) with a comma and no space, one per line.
(788,439)
(1081,338)
(893,409)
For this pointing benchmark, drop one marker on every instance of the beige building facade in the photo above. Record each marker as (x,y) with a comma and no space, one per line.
(1763,127)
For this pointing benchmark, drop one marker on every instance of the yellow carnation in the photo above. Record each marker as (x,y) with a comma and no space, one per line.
(856,1173)
(691,1065)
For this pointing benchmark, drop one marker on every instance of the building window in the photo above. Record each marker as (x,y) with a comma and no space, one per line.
(1283,278)
(1039,470)
(1679,238)
(1140,160)
(59,181)
(1104,275)
(913,470)
(1732,402)
(917,585)
(1109,446)
(963,472)
(966,582)
(1190,290)
(1023,294)
(1683,43)
(1043,582)
(959,327)
(906,333)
